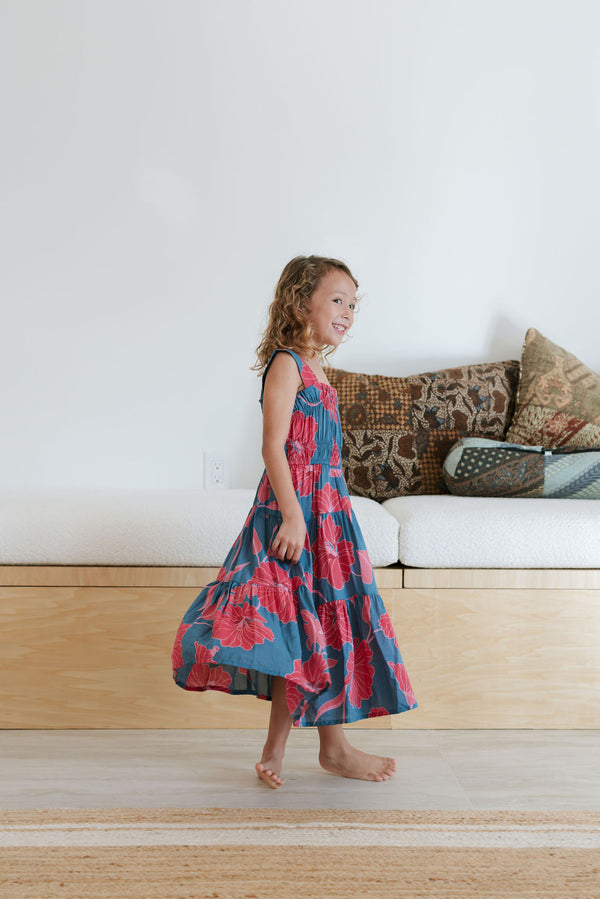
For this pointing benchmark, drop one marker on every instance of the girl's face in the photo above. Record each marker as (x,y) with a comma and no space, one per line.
(332,307)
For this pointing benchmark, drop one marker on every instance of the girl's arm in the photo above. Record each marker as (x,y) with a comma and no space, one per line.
(279,396)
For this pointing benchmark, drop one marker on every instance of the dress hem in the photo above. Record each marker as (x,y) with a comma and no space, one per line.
(343,720)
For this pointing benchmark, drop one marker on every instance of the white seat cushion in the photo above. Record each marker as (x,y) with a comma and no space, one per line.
(147,527)
(482,532)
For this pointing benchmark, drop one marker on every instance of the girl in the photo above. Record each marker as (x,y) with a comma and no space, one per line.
(294,616)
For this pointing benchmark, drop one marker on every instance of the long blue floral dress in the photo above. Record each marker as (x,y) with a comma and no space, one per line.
(319,623)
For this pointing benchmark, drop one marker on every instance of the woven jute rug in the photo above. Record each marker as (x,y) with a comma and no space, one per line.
(256,853)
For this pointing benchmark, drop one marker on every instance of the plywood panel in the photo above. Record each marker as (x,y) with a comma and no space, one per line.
(104,576)
(501,658)
(503,578)
(411,617)
(134,576)
(100,657)
(389,578)
(97,657)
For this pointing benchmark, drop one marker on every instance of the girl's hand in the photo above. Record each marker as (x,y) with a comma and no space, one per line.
(289,540)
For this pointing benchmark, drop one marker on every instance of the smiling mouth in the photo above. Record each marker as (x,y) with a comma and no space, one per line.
(340,328)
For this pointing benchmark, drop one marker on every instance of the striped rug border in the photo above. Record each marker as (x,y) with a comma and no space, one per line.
(291,827)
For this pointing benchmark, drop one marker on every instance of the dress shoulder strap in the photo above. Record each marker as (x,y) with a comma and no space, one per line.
(306,373)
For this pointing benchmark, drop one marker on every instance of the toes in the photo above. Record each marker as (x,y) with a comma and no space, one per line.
(268,776)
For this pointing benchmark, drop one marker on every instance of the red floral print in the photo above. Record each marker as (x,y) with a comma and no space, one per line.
(337,702)
(314,632)
(402,678)
(264,489)
(329,400)
(256,544)
(366,609)
(264,494)
(333,557)
(204,677)
(366,571)
(241,625)
(377,713)
(306,580)
(312,676)
(296,700)
(359,676)
(301,443)
(280,602)
(328,501)
(176,655)
(386,626)
(231,574)
(316,671)
(303,478)
(271,572)
(335,623)
(204,655)
(210,606)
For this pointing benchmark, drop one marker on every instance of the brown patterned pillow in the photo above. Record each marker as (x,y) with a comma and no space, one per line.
(398,431)
(558,399)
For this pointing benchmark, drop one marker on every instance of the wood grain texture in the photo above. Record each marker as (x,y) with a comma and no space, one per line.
(81,657)
(480,657)
(97,657)
(132,576)
(104,576)
(501,658)
(504,578)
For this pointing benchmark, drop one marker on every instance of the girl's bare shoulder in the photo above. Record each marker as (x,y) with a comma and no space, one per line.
(283,373)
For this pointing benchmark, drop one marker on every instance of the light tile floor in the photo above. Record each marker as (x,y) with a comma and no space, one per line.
(437,769)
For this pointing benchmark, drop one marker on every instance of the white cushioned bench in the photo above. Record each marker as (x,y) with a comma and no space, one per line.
(148,527)
(198,527)
(481,532)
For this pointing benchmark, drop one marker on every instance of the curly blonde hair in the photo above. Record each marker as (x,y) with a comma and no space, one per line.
(288,325)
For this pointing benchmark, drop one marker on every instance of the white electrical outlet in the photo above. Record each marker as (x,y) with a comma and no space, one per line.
(216,469)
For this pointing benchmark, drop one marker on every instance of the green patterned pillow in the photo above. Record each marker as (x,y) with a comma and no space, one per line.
(479,467)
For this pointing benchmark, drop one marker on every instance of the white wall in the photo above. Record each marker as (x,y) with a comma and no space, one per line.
(163,159)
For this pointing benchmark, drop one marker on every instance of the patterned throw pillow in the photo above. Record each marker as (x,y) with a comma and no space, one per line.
(558,400)
(397,431)
(476,467)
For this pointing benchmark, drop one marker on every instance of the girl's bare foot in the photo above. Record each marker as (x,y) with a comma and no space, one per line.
(351,762)
(268,770)
(339,757)
(280,722)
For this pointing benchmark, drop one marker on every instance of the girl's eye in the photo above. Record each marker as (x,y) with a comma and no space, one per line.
(338,300)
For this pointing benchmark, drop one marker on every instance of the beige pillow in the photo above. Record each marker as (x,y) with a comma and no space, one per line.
(558,398)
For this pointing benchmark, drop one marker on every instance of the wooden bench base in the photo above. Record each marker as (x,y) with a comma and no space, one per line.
(88,647)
